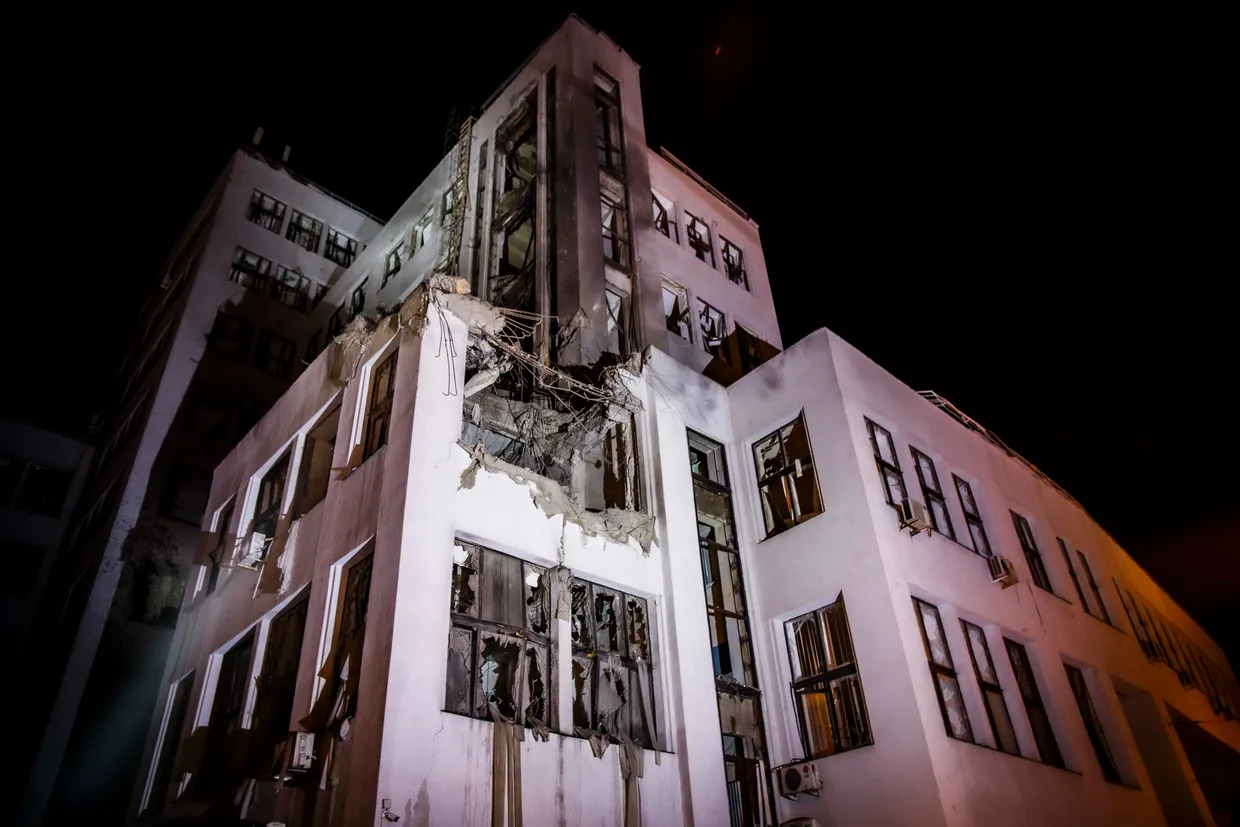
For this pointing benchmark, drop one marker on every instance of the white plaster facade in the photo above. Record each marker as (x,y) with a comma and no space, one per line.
(408,503)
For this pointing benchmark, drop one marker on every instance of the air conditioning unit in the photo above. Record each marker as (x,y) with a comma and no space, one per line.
(798,778)
(1001,571)
(913,516)
(301,757)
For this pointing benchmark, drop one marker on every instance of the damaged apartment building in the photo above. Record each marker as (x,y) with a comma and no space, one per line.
(552,532)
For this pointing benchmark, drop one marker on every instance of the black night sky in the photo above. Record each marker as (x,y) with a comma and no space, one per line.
(1024,214)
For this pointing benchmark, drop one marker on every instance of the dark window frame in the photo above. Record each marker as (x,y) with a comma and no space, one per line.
(665,219)
(379,410)
(888,469)
(699,240)
(718,350)
(673,321)
(1035,709)
(609,124)
(278,361)
(229,330)
(794,466)
(1076,581)
(269,217)
(972,517)
(1093,726)
(943,672)
(822,682)
(990,687)
(1104,614)
(305,233)
(164,760)
(734,263)
(1033,555)
(617,248)
(249,269)
(933,495)
(341,253)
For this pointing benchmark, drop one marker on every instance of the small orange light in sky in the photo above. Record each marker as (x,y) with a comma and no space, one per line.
(717,48)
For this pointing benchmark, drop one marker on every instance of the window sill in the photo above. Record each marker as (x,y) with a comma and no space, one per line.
(1026,758)
(832,754)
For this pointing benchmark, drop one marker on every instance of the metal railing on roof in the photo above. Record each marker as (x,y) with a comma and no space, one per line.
(973,425)
(301,179)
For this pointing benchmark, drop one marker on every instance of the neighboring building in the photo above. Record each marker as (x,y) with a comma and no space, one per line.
(246,292)
(41,475)
(532,549)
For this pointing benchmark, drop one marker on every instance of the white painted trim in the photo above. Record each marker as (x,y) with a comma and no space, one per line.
(335,580)
(357,431)
(263,625)
(157,756)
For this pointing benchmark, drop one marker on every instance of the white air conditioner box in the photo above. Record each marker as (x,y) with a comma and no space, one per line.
(913,516)
(1001,571)
(798,778)
(302,756)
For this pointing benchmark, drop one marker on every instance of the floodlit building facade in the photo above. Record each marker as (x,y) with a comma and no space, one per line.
(552,533)
(250,285)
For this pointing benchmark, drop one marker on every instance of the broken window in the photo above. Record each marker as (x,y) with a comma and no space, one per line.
(221,552)
(972,517)
(615,228)
(713,326)
(250,270)
(266,513)
(421,233)
(394,261)
(379,409)
(1076,581)
(617,322)
(476,265)
(607,124)
(498,646)
(786,479)
(316,463)
(699,238)
(1039,721)
(992,693)
(676,310)
(357,301)
(512,286)
(517,140)
(219,764)
(826,686)
(888,464)
(734,263)
(276,685)
(1037,569)
(339,247)
(169,739)
(266,211)
(943,671)
(291,289)
(1099,603)
(1093,726)
(304,231)
(274,353)
(231,335)
(665,216)
(932,493)
(612,674)
(447,206)
(341,671)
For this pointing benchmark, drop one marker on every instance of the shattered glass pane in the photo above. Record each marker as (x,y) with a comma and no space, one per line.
(817,728)
(714,516)
(613,697)
(721,577)
(738,715)
(853,724)
(537,598)
(980,544)
(839,637)
(809,657)
(777,505)
(607,621)
(953,703)
(638,631)
(642,714)
(981,654)
(729,641)
(583,692)
(935,640)
(536,683)
(498,670)
(805,486)
(582,628)
(465,580)
(895,486)
(966,498)
(768,455)
(503,596)
(796,442)
(615,313)
(460,657)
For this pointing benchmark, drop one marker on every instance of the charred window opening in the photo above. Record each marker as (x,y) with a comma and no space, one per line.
(277,683)
(608,124)
(498,646)
(786,478)
(379,407)
(734,263)
(676,310)
(339,247)
(304,231)
(826,686)
(698,234)
(421,232)
(266,514)
(478,215)
(316,463)
(713,326)
(665,216)
(612,675)
(266,211)
(943,671)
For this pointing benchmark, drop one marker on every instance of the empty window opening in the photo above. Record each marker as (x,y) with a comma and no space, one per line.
(932,493)
(276,686)
(676,310)
(617,322)
(713,327)
(786,481)
(341,669)
(394,261)
(612,678)
(607,124)
(826,686)
(1093,726)
(316,463)
(734,263)
(992,692)
(304,231)
(1039,720)
(698,234)
(1037,569)
(339,247)
(615,227)
(379,407)
(499,644)
(943,671)
(266,211)
(222,550)
(972,517)
(888,463)
(665,216)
